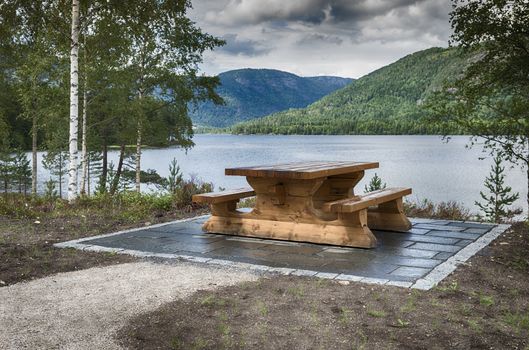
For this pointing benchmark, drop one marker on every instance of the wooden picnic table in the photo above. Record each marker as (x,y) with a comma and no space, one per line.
(308,202)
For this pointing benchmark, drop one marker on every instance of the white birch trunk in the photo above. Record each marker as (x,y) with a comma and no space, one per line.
(74,103)
(84,155)
(138,159)
(138,152)
(34,156)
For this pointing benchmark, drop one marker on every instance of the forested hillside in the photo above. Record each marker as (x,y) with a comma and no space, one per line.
(252,93)
(387,101)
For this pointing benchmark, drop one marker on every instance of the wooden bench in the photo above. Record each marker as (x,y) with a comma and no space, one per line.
(385,206)
(225,201)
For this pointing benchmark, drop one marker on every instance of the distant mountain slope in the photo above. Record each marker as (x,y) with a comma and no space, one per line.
(252,93)
(386,101)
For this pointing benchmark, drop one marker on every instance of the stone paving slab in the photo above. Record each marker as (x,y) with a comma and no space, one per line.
(420,258)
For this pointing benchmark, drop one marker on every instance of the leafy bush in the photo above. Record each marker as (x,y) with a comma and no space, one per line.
(450,210)
(183,194)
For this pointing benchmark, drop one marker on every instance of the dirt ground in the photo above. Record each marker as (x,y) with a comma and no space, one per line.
(81,310)
(483,305)
(26,245)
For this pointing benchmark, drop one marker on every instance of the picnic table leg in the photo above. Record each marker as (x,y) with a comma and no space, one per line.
(389,216)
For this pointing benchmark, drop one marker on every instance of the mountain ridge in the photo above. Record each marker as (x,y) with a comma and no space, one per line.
(250,93)
(385,101)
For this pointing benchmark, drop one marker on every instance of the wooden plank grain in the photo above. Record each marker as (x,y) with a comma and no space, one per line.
(224,196)
(303,170)
(350,205)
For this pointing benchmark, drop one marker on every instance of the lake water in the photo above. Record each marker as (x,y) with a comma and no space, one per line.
(434,169)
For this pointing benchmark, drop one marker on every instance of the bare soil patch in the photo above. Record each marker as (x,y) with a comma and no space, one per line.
(483,305)
(26,244)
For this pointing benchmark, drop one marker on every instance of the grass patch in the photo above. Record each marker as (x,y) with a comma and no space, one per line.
(376,313)
(518,320)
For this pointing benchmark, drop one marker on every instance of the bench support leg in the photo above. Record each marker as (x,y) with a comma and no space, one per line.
(350,229)
(356,230)
(224,208)
(389,216)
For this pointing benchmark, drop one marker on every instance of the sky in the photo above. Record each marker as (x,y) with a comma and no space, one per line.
(347,38)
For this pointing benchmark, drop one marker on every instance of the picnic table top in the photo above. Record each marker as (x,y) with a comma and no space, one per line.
(302,170)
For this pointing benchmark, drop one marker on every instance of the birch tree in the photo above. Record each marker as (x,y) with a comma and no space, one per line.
(26,33)
(165,50)
(74,103)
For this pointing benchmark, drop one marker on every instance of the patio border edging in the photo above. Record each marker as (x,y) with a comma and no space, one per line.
(444,269)
(425,283)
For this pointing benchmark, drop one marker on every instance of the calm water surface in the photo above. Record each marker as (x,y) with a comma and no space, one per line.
(434,169)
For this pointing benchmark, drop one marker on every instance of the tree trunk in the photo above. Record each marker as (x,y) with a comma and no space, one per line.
(138,159)
(117,175)
(34,157)
(104,170)
(74,102)
(527,171)
(138,150)
(88,176)
(61,172)
(84,155)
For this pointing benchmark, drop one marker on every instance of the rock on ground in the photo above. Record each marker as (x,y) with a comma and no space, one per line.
(83,309)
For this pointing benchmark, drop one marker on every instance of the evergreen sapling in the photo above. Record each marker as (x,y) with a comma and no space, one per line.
(499,197)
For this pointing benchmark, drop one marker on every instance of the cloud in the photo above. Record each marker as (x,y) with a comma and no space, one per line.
(238,12)
(257,11)
(314,37)
(246,47)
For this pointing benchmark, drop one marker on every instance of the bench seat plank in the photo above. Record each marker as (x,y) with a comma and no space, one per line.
(360,202)
(224,196)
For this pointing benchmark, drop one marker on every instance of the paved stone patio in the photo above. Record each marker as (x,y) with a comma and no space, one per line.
(420,258)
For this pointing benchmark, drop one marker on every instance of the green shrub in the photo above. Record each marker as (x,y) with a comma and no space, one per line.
(450,210)
(183,194)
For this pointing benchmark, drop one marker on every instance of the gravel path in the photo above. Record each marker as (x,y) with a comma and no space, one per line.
(83,309)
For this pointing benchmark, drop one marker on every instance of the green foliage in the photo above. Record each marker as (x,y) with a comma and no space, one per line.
(175,178)
(387,101)
(21,172)
(489,98)
(252,93)
(499,197)
(15,172)
(443,210)
(375,184)
(6,170)
(184,193)
(50,193)
(56,163)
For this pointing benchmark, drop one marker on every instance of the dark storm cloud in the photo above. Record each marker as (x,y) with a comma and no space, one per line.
(312,37)
(309,11)
(247,47)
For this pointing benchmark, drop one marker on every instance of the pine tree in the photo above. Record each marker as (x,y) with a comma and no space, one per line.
(6,170)
(175,178)
(375,184)
(495,203)
(56,163)
(21,171)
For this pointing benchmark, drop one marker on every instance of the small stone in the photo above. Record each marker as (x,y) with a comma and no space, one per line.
(37,222)
(2,282)
(344,283)
(504,243)
(147,223)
